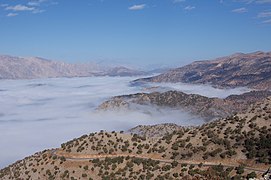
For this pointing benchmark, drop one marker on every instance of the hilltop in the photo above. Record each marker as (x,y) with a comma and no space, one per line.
(234,147)
(252,70)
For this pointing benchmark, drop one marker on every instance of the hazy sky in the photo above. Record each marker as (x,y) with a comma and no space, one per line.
(134,31)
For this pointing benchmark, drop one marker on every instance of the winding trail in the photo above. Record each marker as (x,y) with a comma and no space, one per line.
(79,157)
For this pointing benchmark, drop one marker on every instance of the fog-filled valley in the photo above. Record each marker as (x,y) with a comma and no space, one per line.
(55,110)
(153,90)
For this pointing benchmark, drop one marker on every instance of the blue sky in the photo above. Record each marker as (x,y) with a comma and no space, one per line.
(142,32)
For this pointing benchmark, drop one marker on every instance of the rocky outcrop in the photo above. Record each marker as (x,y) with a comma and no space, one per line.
(207,108)
(252,70)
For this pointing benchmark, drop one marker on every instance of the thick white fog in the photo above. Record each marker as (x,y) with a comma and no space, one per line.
(203,90)
(41,114)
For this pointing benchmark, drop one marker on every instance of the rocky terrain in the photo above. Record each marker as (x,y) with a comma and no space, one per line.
(158,130)
(33,67)
(251,70)
(207,108)
(237,147)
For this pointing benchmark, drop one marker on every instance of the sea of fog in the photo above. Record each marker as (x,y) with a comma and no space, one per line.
(43,113)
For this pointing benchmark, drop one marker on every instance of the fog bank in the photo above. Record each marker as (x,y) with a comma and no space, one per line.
(43,113)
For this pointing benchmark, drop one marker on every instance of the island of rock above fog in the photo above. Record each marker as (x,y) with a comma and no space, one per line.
(206,108)
(252,70)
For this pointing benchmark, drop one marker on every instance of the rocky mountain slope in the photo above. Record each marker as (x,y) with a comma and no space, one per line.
(252,70)
(29,68)
(206,108)
(237,147)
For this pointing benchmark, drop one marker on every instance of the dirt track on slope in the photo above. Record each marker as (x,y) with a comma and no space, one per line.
(156,157)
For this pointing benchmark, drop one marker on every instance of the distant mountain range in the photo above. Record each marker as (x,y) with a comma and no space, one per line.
(28,68)
(204,107)
(252,70)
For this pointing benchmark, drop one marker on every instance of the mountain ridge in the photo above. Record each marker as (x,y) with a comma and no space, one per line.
(238,70)
(202,106)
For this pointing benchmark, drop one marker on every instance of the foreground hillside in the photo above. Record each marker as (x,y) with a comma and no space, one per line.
(252,70)
(28,68)
(204,107)
(238,146)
